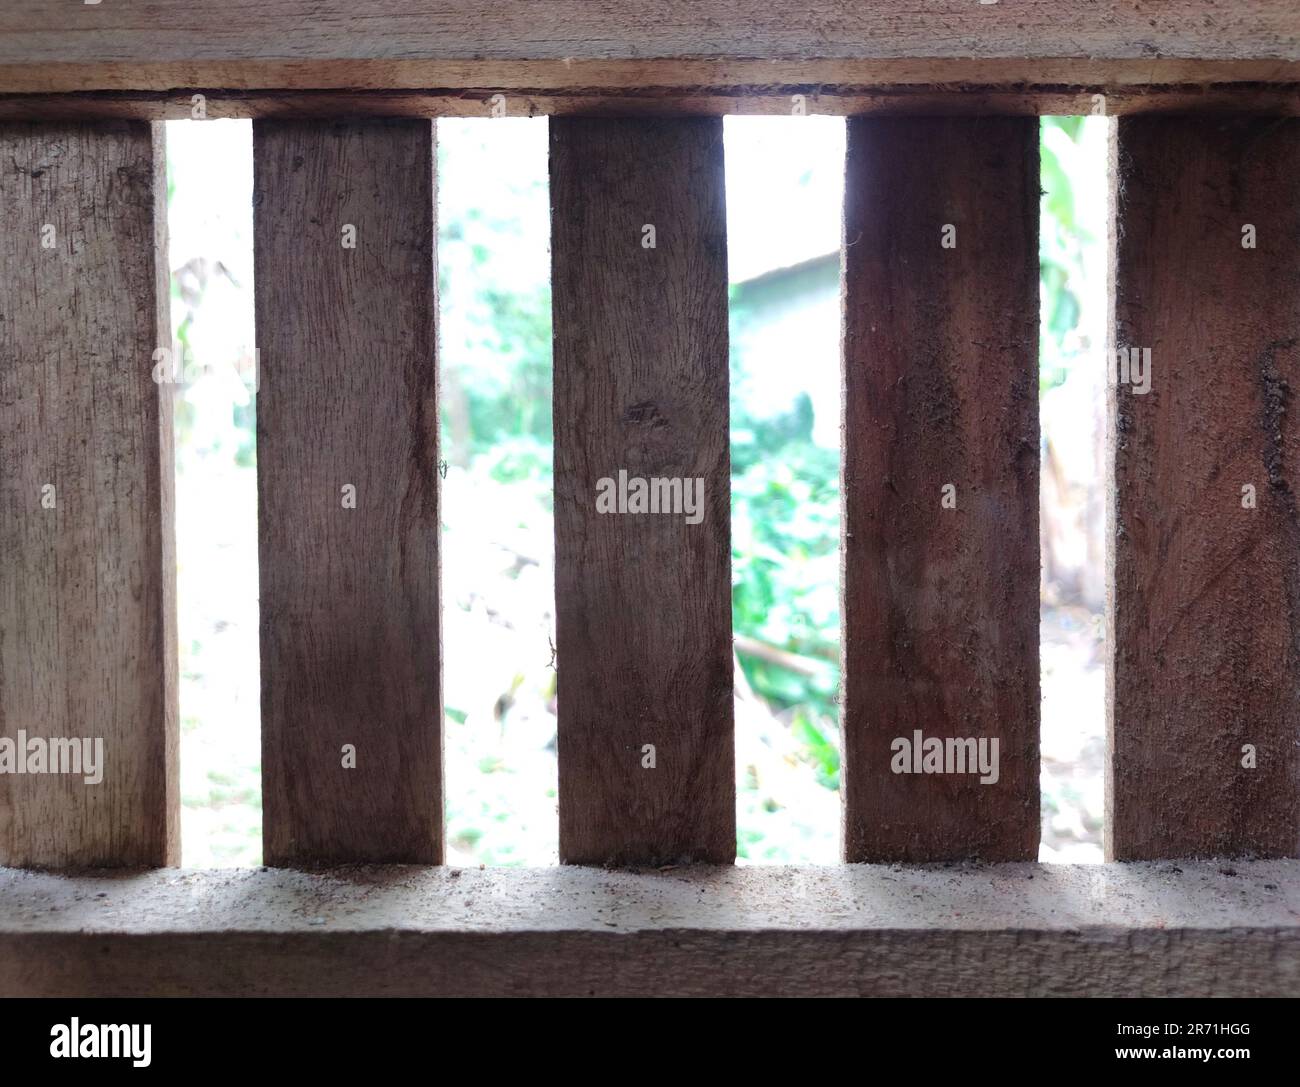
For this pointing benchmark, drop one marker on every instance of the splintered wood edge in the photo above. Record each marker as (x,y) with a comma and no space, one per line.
(1210,928)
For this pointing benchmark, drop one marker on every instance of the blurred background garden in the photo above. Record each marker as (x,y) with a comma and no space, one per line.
(784,193)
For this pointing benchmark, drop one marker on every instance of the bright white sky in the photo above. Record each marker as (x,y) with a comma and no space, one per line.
(785,188)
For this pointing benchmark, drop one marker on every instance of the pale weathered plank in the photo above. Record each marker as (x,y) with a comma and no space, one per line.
(1205,592)
(87,567)
(849,930)
(522,45)
(643,600)
(941,389)
(350,619)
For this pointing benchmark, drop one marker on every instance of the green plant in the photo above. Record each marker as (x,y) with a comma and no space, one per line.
(1062,240)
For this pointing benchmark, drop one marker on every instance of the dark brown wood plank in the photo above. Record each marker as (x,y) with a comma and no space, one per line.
(1204,620)
(941,388)
(643,600)
(350,622)
(523,45)
(87,568)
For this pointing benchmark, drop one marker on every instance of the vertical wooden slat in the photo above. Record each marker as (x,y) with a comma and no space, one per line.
(1204,574)
(941,388)
(87,567)
(643,600)
(347,455)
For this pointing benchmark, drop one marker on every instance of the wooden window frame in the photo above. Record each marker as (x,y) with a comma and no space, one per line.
(1155,928)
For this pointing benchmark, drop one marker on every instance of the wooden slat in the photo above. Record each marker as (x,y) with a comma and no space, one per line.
(156,46)
(643,601)
(350,621)
(87,570)
(1205,593)
(941,387)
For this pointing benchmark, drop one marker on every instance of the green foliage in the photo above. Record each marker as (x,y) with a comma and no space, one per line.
(785,555)
(821,748)
(496,406)
(1062,240)
(785,574)
(507,393)
(785,495)
(496,335)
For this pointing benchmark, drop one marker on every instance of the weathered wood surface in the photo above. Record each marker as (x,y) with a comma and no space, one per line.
(643,600)
(87,566)
(1205,592)
(784,99)
(350,621)
(525,45)
(1199,929)
(940,606)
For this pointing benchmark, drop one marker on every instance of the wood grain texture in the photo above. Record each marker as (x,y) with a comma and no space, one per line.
(643,600)
(350,621)
(767,98)
(846,930)
(1205,594)
(87,603)
(159,45)
(940,605)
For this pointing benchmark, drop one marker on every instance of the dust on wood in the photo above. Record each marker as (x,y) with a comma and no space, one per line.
(1204,584)
(350,620)
(87,579)
(643,600)
(940,486)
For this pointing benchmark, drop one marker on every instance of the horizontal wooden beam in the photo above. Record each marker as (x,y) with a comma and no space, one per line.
(246,56)
(1198,929)
(741,100)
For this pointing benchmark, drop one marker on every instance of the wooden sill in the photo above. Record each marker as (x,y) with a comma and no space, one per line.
(1207,928)
(273,58)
